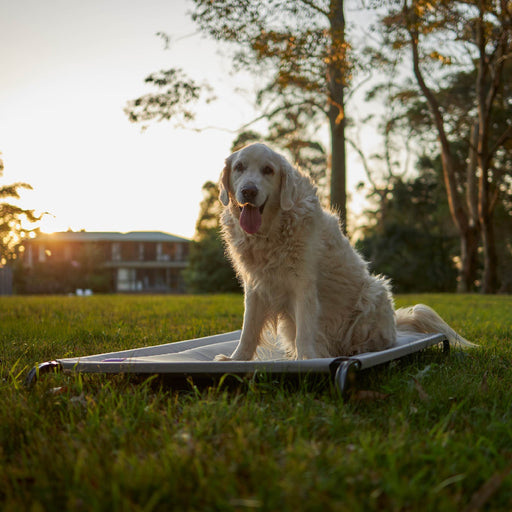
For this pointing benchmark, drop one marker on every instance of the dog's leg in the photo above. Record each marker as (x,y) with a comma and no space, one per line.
(255,315)
(306,318)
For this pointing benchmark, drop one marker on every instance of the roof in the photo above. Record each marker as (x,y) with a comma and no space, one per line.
(110,236)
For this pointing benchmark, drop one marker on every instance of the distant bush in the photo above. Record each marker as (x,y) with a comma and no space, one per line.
(60,278)
(209,270)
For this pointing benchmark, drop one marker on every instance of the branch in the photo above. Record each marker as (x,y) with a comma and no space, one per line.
(352,91)
(315,7)
(366,166)
(183,126)
(12,190)
(270,115)
(471,189)
(431,99)
(266,115)
(507,134)
(456,208)
(494,199)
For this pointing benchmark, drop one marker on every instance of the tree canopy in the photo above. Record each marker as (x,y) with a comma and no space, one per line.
(409,243)
(13,218)
(299,53)
(448,67)
(446,43)
(208,270)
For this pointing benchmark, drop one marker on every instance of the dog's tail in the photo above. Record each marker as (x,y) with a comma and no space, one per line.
(422,319)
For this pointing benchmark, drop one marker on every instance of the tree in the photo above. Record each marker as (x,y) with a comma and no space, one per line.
(12,229)
(477,38)
(87,271)
(413,249)
(457,93)
(300,48)
(175,93)
(404,235)
(208,270)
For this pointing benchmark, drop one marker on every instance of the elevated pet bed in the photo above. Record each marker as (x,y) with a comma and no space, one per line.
(195,359)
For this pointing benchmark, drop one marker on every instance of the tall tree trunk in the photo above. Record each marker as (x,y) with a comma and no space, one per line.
(460,216)
(488,82)
(470,239)
(338,169)
(467,228)
(336,80)
(485,212)
(490,276)
(469,260)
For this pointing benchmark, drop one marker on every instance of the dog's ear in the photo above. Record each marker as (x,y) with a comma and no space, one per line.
(224,182)
(288,185)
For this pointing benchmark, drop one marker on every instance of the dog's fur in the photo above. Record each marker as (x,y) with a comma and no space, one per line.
(302,279)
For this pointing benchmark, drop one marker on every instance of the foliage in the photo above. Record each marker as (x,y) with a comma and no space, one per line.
(12,219)
(434,435)
(209,271)
(209,210)
(301,48)
(174,93)
(59,278)
(470,39)
(408,239)
(502,221)
(298,52)
(87,271)
(456,94)
(291,41)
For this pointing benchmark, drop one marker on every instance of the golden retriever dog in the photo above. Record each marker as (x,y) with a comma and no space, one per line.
(303,282)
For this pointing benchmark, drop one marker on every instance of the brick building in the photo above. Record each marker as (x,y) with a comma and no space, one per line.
(150,262)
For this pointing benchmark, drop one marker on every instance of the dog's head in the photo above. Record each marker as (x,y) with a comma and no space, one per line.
(253,179)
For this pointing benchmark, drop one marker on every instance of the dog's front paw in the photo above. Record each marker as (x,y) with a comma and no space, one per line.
(222,357)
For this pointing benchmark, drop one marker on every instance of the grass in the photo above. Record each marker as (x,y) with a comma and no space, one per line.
(433,434)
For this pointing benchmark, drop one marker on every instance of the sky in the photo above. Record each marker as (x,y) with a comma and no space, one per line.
(67,69)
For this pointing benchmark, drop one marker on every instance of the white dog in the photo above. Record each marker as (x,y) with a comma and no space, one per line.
(302,279)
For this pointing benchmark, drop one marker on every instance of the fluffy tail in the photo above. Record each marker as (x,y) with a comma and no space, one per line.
(422,319)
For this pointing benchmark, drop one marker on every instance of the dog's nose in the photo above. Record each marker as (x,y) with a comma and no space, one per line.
(249,193)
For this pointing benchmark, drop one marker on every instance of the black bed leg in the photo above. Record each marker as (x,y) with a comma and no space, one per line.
(42,368)
(345,376)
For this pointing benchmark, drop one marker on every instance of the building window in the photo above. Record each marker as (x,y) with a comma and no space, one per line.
(179,252)
(116,251)
(29,256)
(161,255)
(126,280)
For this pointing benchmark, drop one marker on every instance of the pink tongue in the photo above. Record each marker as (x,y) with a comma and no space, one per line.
(250,219)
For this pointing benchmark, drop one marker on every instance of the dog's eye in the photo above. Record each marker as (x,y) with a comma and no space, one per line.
(239,167)
(267,170)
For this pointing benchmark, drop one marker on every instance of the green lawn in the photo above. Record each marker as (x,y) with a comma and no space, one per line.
(432,434)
